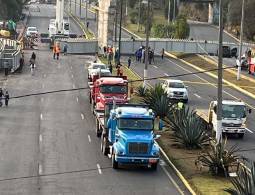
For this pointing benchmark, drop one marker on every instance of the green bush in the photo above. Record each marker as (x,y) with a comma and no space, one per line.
(157,100)
(181,28)
(244,183)
(163,30)
(141,91)
(189,129)
(218,159)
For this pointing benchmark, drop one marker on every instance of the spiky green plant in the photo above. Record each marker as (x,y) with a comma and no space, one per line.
(244,183)
(189,129)
(218,158)
(157,100)
(141,91)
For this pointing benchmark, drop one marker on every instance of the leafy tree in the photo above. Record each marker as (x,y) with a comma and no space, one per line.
(181,27)
(11,9)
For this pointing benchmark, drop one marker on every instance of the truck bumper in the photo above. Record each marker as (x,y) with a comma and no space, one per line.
(234,130)
(136,160)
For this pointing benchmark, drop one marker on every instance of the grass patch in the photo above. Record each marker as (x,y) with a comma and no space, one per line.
(229,75)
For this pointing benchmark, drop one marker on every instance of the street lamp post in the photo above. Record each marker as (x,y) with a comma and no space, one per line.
(121,10)
(139,15)
(241,45)
(86,14)
(145,74)
(169,11)
(219,100)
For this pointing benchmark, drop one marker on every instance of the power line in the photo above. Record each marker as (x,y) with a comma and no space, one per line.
(132,81)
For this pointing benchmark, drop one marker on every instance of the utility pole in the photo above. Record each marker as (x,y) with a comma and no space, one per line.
(86,14)
(115,28)
(75,7)
(145,73)
(126,7)
(241,44)
(169,11)
(174,14)
(121,10)
(80,9)
(219,101)
(139,16)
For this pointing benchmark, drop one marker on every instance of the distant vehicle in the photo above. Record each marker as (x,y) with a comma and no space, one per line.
(94,66)
(98,72)
(66,27)
(227,52)
(31,31)
(176,90)
(233,117)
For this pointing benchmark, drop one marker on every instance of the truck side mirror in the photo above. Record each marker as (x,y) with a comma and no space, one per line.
(161,124)
(156,137)
(249,110)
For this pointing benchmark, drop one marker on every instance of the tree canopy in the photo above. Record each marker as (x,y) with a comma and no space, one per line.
(11,9)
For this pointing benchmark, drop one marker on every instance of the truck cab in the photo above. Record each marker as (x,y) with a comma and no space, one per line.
(130,136)
(233,117)
(107,89)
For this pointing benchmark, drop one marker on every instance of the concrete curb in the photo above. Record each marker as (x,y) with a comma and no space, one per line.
(177,172)
(78,22)
(214,76)
(128,31)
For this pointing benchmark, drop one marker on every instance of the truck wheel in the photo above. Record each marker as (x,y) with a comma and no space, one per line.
(90,99)
(115,164)
(240,135)
(98,133)
(104,147)
(154,166)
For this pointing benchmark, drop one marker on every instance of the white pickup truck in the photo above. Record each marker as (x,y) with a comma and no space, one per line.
(233,117)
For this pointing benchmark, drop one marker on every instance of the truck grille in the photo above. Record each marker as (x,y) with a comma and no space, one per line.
(138,148)
(178,93)
(231,125)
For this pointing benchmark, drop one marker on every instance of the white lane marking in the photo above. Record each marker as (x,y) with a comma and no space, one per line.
(40,169)
(166,74)
(41,116)
(77,99)
(72,76)
(89,138)
(172,180)
(249,130)
(198,96)
(99,169)
(40,137)
(155,66)
(73,86)
(43,86)
(82,116)
(42,99)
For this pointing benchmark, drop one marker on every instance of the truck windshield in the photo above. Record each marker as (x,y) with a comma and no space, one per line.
(135,124)
(233,111)
(113,89)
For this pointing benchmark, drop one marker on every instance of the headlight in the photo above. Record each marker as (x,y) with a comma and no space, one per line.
(155,153)
(121,152)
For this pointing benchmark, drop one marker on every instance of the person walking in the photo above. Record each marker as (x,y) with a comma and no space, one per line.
(1,96)
(129,62)
(162,53)
(57,51)
(110,67)
(65,49)
(6,98)
(54,51)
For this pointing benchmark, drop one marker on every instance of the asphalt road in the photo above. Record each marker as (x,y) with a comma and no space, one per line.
(48,142)
(202,91)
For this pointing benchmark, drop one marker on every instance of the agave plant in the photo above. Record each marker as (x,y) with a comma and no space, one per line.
(244,183)
(157,100)
(219,158)
(189,129)
(141,91)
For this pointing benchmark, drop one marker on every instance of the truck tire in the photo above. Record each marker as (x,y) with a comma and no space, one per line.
(98,133)
(90,99)
(115,164)
(154,166)
(104,145)
(240,135)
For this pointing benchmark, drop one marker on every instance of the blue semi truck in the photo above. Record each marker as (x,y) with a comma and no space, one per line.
(127,135)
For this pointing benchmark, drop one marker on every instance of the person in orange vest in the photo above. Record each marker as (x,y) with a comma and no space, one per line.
(57,51)
(54,51)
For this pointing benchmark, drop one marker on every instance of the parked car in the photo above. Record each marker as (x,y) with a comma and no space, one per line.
(176,90)
(31,31)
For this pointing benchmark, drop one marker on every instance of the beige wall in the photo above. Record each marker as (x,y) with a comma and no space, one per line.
(106,22)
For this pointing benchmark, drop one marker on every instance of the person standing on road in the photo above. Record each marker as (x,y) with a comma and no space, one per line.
(6,98)
(1,96)
(54,51)
(110,67)
(162,53)
(57,51)
(129,62)
(65,49)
